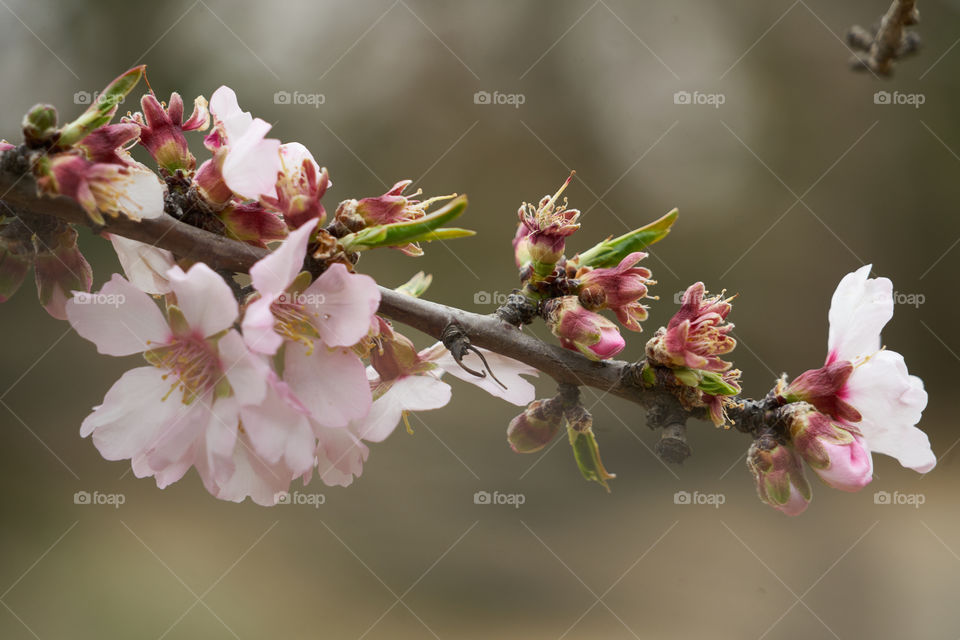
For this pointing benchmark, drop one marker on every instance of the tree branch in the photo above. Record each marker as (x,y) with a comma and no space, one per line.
(889,42)
(614,377)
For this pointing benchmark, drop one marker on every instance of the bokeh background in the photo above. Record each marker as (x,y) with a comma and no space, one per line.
(797,178)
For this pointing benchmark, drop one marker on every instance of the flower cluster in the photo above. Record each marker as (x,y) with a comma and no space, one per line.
(691,345)
(285,396)
(293,373)
(569,292)
(253,386)
(861,401)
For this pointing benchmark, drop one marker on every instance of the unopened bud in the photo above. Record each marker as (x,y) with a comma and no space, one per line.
(533,429)
(778,472)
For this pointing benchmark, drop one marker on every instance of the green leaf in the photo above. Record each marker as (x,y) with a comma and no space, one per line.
(101,109)
(398,234)
(714,384)
(689,377)
(587,454)
(611,251)
(416,286)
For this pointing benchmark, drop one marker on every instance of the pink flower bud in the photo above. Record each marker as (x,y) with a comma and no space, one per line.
(824,388)
(835,453)
(59,271)
(696,335)
(300,185)
(619,289)
(391,207)
(581,330)
(778,472)
(533,429)
(543,232)
(161,130)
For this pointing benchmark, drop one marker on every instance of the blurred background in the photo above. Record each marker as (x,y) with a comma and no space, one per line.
(789,171)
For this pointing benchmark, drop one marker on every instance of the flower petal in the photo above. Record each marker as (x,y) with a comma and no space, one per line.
(145,265)
(345,302)
(245,371)
(258,323)
(409,393)
(340,456)
(860,308)
(132,414)
(519,391)
(205,299)
(273,274)
(278,432)
(891,402)
(331,383)
(120,319)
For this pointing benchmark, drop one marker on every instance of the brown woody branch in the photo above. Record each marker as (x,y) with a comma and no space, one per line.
(613,377)
(889,41)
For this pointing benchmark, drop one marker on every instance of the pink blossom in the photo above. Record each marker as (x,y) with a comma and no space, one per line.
(543,231)
(862,385)
(404,381)
(204,401)
(696,335)
(316,325)
(619,288)
(101,176)
(299,188)
(246,159)
(161,130)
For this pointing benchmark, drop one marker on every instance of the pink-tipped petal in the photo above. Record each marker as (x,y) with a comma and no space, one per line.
(345,304)
(120,319)
(205,299)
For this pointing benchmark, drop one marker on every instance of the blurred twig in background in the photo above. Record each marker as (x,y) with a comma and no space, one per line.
(887,42)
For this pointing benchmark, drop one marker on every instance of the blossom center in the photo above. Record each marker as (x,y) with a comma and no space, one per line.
(193,364)
(295,323)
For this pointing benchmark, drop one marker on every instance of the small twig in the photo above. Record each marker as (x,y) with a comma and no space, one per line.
(888,42)
(457,342)
(613,377)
